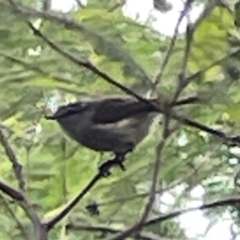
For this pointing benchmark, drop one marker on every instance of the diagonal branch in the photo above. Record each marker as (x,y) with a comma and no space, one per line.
(217,203)
(86,64)
(27,12)
(172,43)
(182,81)
(52,222)
(107,229)
(11,192)
(107,166)
(145,194)
(39,231)
(166,133)
(17,167)
(229,201)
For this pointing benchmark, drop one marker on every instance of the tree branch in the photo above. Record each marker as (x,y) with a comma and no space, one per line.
(17,167)
(86,64)
(229,201)
(11,192)
(107,166)
(172,43)
(27,12)
(217,203)
(106,229)
(52,222)
(39,231)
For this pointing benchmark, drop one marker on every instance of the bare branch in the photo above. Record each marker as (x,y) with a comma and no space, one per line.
(51,223)
(107,167)
(17,167)
(218,203)
(189,36)
(156,171)
(145,194)
(25,13)
(39,230)
(153,188)
(85,64)
(172,43)
(11,192)
(106,229)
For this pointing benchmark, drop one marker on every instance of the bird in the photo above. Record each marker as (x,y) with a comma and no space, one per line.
(110,124)
(114,124)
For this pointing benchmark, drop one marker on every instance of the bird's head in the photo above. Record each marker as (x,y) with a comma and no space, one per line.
(68,110)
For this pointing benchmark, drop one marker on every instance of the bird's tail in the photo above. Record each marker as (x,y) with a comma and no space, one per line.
(188,100)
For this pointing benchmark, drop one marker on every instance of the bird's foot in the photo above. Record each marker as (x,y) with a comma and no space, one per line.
(104,169)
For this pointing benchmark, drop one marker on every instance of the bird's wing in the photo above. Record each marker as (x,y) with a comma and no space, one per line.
(116,109)
(111,110)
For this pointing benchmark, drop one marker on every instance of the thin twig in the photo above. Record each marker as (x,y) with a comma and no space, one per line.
(213,204)
(52,222)
(217,203)
(107,229)
(86,64)
(17,167)
(27,12)
(172,43)
(166,133)
(182,82)
(145,194)
(153,189)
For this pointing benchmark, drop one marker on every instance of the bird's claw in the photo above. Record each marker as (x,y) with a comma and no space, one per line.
(104,169)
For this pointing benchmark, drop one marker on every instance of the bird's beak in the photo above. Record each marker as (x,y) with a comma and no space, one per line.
(50,117)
